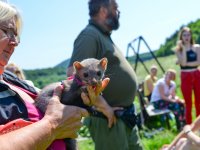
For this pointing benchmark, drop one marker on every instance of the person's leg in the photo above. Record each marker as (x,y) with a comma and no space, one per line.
(105,138)
(160,104)
(178,111)
(134,140)
(186,88)
(197,91)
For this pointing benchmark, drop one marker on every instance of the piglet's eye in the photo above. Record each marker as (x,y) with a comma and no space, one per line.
(85,74)
(98,73)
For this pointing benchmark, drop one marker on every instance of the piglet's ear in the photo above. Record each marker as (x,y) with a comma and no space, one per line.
(77,65)
(103,63)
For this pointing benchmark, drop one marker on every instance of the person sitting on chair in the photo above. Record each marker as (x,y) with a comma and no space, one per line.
(12,67)
(150,81)
(164,96)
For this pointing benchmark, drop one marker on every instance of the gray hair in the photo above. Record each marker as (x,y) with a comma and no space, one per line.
(7,12)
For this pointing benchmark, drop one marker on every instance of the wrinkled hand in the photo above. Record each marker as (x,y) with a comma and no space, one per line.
(65,120)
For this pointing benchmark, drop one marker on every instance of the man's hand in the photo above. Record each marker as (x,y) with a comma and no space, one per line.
(93,93)
(95,99)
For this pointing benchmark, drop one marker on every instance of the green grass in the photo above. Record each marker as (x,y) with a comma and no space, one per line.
(153,143)
(86,144)
(157,140)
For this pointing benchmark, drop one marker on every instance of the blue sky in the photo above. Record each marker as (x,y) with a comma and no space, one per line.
(51,26)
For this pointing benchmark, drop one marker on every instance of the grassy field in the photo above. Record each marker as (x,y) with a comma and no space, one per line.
(150,143)
(153,138)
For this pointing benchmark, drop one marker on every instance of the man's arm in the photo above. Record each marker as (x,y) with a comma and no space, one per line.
(100,103)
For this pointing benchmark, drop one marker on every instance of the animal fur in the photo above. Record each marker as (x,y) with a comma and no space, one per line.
(87,72)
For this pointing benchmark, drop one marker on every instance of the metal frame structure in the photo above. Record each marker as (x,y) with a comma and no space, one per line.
(144,109)
(139,40)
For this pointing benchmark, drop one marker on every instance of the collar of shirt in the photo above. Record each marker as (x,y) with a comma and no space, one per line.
(99,27)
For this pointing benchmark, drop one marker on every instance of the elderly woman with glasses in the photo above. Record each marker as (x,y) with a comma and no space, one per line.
(21,125)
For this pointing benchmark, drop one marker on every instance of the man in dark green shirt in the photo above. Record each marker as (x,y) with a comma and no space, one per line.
(95,42)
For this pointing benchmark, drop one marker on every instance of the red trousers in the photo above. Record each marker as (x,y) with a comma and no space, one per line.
(190,82)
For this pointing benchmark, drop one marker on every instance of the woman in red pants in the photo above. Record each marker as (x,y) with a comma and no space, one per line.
(188,55)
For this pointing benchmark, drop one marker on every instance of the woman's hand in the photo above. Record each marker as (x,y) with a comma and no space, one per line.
(178,100)
(179,44)
(65,120)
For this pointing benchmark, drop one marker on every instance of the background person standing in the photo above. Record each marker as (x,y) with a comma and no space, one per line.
(188,55)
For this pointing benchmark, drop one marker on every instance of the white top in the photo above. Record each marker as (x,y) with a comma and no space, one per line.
(167,89)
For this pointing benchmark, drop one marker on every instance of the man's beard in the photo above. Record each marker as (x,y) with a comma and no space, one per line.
(112,21)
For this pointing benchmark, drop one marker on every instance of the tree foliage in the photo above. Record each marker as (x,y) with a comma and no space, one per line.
(43,77)
(167,48)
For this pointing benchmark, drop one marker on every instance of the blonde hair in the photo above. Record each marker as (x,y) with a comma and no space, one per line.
(172,71)
(154,67)
(12,67)
(8,12)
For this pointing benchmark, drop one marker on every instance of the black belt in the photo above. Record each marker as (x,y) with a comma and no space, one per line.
(128,115)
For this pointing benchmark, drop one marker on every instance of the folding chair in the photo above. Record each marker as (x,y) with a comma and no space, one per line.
(148,110)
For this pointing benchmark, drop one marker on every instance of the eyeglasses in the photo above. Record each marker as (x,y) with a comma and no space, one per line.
(10,33)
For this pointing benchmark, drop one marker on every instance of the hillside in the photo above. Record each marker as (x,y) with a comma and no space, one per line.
(63,64)
(42,77)
(167,47)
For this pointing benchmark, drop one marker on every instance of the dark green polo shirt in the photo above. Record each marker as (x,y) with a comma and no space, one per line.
(95,42)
